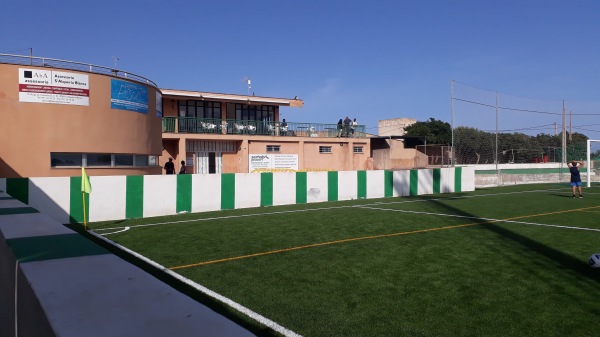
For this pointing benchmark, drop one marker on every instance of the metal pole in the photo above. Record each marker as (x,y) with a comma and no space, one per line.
(564,138)
(589,166)
(452,152)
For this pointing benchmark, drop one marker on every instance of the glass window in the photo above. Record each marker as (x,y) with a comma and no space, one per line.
(141,160)
(324,149)
(358,149)
(123,160)
(65,159)
(152,161)
(273,148)
(99,159)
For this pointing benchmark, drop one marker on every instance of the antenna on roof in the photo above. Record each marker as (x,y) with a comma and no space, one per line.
(115,58)
(248,82)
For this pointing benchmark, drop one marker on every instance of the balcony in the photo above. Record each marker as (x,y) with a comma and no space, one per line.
(263,128)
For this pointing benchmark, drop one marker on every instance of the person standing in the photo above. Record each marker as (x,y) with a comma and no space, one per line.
(575,177)
(170,167)
(339,127)
(182,169)
(347,123)
(353,127)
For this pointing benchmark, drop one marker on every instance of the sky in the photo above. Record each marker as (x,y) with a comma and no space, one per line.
(370,60)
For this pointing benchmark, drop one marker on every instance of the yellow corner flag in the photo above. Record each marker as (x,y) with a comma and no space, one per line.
(86,187)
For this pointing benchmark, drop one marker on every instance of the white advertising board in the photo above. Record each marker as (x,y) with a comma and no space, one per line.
(54,87)
(257,162)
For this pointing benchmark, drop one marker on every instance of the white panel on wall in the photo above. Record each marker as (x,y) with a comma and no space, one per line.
(375,184)
(425,182)
(160,195)
(401,183)
(284,188)
(108,198)
(316,186)
(347,185)
(206,192)
(51,196)
(447,180)
(468,179)
(247,190)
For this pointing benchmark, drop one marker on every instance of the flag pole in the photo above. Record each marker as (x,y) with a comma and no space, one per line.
(84,215)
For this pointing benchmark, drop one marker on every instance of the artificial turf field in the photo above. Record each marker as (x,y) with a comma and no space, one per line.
(505,261)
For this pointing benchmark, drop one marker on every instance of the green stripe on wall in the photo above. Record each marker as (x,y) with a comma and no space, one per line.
(18,188)
(76,202)
(50,247)
(458,179)
(388,184)
(437,180)
(228,191)
(414,182)
(301,187)
(134,197)
(361,184)
(184,193)
(266,189)
(332,186)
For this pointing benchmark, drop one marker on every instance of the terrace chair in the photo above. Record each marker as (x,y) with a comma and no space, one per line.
(239,128)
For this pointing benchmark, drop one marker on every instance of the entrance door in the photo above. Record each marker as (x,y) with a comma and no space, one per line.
(208,162)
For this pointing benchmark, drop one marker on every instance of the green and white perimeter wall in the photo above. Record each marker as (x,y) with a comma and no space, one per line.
(125,197)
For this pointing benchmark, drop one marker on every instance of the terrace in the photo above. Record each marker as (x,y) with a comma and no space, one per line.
(255,127)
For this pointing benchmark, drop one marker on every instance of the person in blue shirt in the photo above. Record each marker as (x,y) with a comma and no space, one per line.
(575,177)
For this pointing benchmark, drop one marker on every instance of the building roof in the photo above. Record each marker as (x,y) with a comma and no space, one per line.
(291,102)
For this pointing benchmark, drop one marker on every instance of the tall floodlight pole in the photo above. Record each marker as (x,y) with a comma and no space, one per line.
(589,165)
(452,152)
(564,134)
(497,135)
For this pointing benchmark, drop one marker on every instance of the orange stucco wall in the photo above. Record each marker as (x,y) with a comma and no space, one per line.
(29,132)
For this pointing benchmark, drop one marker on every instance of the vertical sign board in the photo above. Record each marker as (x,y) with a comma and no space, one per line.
(159,112)
(128,96)
(261,162)
(54,87)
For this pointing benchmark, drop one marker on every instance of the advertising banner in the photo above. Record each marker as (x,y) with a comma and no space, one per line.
(128,96)
(54,87)
(261,162)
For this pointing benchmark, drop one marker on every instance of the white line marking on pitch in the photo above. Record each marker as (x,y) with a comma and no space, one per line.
(321,209)
(121,231)
(225,300)
(485,219)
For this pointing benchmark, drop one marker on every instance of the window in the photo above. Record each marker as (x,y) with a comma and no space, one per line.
(99,159)
(104,160)
(273,148)
(141,160)
(200,109)
(324,149)
(358,149)
(65,159)
(123,160)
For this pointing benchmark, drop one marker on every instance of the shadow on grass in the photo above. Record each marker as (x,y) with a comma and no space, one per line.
(566,261)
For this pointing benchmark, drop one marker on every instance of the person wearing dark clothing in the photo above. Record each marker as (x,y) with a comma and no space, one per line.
(347,123)
(284,128)
(170,167)
(340,127)
(182,169)
(575,177)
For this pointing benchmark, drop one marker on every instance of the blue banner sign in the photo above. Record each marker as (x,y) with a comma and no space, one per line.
(128,96)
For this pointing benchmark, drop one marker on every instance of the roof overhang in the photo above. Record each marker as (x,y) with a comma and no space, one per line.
(179,94)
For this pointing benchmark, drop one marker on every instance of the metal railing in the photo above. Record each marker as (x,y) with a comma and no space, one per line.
(265,128)
(71,65)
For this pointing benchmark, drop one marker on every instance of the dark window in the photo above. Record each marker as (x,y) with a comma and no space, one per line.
(98,159)
(324,149)
(273,148)
(123,160)
(358,149)
(65,159)
(141,160)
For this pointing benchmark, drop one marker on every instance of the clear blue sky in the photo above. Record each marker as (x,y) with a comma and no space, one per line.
(366,59)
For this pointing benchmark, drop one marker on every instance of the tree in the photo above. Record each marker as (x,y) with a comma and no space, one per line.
(435,131)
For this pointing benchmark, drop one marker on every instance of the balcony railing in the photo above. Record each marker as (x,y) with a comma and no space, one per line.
(246,127)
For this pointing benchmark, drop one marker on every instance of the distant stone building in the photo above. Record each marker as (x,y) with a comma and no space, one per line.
(394,127)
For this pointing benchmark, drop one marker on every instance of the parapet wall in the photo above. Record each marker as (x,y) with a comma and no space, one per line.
(125,197)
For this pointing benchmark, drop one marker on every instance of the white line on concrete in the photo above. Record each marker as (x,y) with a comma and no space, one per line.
(485,219)
(255,316)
